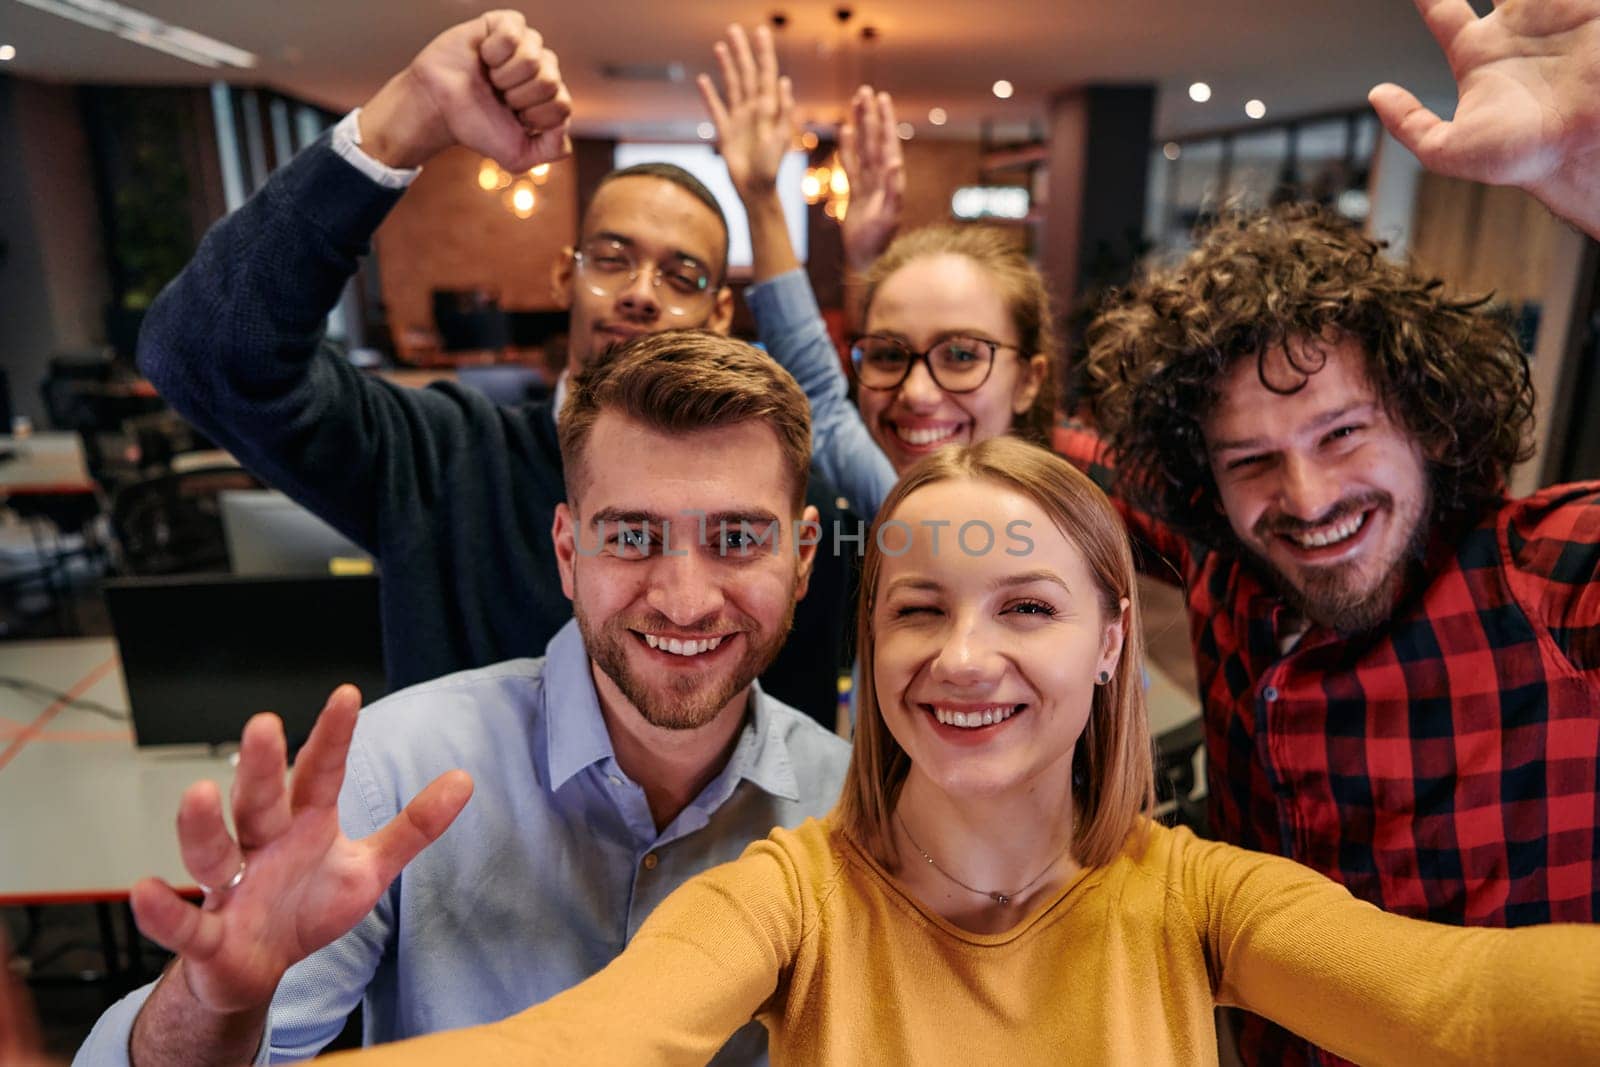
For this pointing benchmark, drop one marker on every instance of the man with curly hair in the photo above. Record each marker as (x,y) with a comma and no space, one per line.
(1399,664)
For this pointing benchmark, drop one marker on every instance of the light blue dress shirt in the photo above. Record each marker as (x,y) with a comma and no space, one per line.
(791,329)
(546,875)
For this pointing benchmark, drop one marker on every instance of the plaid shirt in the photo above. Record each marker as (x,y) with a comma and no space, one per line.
(1446,766)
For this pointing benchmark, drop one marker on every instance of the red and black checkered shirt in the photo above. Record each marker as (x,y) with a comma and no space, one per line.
(1445,766)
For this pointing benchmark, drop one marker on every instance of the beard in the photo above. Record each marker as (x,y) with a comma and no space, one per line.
(689,699)
(1336,596)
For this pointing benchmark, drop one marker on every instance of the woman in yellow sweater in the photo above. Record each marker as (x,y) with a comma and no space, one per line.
(991,889)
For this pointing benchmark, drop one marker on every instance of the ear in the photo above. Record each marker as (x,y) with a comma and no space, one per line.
(721,318)
(1029,383)
(810,519)
(562,273)
(564,532)
(1112,640)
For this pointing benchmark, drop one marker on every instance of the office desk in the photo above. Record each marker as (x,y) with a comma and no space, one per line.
(44,464)
(83,813)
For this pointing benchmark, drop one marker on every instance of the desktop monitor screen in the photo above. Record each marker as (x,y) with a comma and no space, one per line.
(203,653)
(267,533)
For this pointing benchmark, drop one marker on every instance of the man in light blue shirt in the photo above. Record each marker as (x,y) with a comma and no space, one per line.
(636,753)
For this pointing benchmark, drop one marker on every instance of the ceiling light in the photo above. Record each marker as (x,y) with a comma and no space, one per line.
(149,31)
(1171,150)
(906,131)
(937,116)
(7,53)
(1003,89)
(1255,109)
(1199,92)
(706,131)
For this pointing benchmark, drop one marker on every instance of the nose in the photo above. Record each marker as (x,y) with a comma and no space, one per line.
(919,391)
(968,657)
(638,298)
(685,588)
(1309,488)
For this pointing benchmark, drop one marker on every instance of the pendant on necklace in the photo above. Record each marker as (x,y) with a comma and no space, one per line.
(1000,898)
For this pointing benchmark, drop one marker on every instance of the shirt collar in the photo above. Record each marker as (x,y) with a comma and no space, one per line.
(576,734)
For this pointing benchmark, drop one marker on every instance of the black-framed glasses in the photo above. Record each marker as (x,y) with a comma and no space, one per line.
(957,364)
(682,285)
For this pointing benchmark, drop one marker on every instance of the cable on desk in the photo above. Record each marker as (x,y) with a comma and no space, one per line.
(56,695)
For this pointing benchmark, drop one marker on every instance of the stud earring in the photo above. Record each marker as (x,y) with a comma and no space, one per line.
(1102,678)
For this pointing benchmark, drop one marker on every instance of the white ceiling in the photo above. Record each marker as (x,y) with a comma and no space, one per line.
(1298,56)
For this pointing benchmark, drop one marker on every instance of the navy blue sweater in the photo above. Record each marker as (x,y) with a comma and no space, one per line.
(453,494)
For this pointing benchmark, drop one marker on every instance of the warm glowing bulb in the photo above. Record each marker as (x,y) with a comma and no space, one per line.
(1171,150)
(523,199)
(937,116)
(808,140)
(1255,109)
(906,131)
(488,175)
(1003,89)
(7,53)
(706,131)
(839,183)
(811,187)
(1199,92)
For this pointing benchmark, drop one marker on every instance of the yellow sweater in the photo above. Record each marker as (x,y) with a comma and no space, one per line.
(809,934)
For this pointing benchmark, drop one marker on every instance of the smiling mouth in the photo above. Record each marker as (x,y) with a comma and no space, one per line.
(926,436)
(969,717)
(683,647)
(1328,540)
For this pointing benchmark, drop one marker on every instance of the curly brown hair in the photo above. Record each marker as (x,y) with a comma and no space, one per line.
(1450,371)
(1019,282)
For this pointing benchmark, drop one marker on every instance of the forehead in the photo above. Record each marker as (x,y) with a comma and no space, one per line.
(935,294)
(1025,538)
(1246,408)
(658,217)
(631,466)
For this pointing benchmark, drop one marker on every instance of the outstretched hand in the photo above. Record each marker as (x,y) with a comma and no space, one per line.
(869,150)
(756,124)
(1528,78)
(488,84)
(303,882)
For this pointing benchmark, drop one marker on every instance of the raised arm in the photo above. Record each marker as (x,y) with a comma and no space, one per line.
(755,127)
(235,341)
(286,884)
(1528,78)
(1377,988)
(710,958)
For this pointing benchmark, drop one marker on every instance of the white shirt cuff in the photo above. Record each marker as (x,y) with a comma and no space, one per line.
(347,142)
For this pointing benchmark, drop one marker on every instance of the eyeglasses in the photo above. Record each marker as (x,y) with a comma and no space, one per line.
(957,364)
(682,286)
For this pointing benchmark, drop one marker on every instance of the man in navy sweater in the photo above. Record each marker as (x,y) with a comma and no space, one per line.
(453,494)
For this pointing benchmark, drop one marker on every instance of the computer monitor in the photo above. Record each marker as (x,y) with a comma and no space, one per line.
(203,653)
(267,533)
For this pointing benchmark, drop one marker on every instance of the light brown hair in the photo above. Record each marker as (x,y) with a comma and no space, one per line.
(1020,285)
(1112,767)
(680,381)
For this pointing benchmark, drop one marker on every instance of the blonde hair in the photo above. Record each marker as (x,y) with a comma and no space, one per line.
(680,381)
(1026,297)
(1112,766)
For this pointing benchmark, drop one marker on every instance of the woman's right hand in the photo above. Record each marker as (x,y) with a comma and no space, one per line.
(869,149)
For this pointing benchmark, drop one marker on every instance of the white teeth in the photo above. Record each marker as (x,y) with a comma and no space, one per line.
(1331,535)
(680,647)
(974,719)
(926,436)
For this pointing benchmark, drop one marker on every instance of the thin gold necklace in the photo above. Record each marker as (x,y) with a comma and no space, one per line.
(998,898)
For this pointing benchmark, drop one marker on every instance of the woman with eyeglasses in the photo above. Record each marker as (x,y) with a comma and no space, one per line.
(958,344)
(991,888)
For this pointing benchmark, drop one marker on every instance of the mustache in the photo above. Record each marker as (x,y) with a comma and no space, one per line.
(1277,522)
(710,627)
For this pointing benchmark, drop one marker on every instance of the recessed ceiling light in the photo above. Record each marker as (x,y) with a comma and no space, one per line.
(937,116)
(1171,150)
(706,131)
(1003,89)
(7,53)
(149,31)
(1199,92)
(1255,109)
(906,131)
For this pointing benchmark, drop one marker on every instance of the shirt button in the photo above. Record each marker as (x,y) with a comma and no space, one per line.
(1270,693)
(650,861)
(613,779)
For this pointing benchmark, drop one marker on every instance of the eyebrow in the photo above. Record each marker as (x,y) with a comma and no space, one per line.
(629,242)
(1317,423)
(1010,581)
(943,335)
(713,519)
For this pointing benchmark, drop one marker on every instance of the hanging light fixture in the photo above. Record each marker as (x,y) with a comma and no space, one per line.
(517,191)
(827,183)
